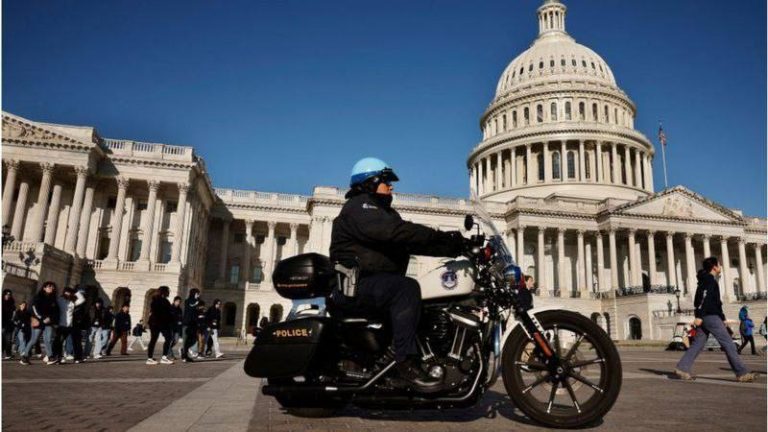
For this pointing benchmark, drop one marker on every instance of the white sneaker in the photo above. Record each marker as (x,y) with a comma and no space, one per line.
(219,355)
(69,357)
(130,348)
(63,360)
(45,359)
(151,361)
(165,360)
(97,356)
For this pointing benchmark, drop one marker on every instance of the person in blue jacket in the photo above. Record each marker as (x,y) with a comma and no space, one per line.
(746,328)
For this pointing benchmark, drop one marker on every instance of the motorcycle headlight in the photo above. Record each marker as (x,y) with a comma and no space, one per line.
(513,274)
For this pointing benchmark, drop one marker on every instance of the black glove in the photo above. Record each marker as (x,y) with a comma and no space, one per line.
(458,243)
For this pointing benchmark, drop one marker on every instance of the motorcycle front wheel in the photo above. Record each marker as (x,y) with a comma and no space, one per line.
(588,377)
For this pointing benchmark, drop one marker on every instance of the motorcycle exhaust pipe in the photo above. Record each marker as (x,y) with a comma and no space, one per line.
(275,390)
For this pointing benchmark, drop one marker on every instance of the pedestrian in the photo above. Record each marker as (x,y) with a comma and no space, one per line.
(67,302)
(138,335)
(9,307)
(107,329)
(525,293)
(708,310)
(177,326)
(95,340)
(21,321)
(45,315)
(213,320)
(764,332)
(160,321)
(190,328)
(201,324)
(122,327)
(746,329)
(81,323)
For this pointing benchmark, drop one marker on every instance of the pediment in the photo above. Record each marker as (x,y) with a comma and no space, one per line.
(18,130)
(679,203)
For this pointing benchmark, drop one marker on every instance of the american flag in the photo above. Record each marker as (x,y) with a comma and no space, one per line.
(662,136)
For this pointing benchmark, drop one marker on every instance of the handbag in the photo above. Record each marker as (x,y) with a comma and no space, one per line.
(34,322)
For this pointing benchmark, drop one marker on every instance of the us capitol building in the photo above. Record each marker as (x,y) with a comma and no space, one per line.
(560,167)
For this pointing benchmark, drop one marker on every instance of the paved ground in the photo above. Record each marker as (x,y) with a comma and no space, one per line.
(216,395)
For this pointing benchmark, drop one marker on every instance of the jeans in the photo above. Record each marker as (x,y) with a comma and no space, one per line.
(8,341)
(73,334)
(712,324)
(176,338)
(214,335)
(190,339)
(47,340)
(96,337)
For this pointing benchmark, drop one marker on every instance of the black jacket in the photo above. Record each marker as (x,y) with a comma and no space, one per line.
(190,311)
(45,306)
(109,319)
(80,318)
(201,320)
(22,320)
(178,318)
(97,318)
(213,318)
(160,313)
(369,232)
(9,307)
(138,330)
(122,322)
(707,298)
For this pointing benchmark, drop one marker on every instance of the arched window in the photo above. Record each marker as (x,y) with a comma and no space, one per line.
(586,167)
(635,328)
(540,165)
(541,65)
(553,111)
(495,126)
(234,272)
(573,62)
(567,110)
(257,274)
(583,63)
(571,164)
(556,165)
(514,119)
(562,62)
(530,67)
(521,70)
(593,65)
(581,110)
(607,118)
(594,112)
(616,115)
(527,116)
(275,313)
(504,122)
(551,63)
(539,113)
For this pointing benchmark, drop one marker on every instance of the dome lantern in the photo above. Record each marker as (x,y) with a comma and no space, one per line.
(551,17)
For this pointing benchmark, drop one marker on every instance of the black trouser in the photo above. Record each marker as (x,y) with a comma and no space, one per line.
(61,337)
(154,334)
(8,340)
(190,338)
(400,298)
(747,339)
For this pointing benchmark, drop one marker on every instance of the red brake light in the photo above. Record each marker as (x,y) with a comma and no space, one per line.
(487,253)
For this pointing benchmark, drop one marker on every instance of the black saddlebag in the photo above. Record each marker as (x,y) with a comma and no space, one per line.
(304,276)
(285,349)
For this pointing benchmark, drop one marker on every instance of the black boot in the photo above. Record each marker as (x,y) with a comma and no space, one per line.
(416,378)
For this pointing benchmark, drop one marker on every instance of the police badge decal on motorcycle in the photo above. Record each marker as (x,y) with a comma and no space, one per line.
(449,279)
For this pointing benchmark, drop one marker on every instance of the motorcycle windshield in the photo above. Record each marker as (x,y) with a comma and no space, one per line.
(486,222)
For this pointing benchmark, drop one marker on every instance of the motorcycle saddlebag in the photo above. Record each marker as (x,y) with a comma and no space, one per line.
(285,349)
(304,276)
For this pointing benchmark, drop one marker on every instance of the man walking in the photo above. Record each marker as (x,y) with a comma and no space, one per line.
(708,310)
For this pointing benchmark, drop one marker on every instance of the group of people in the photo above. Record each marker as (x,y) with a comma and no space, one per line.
(71,332)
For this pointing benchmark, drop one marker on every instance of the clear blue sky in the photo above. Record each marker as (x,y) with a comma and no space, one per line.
(286,95)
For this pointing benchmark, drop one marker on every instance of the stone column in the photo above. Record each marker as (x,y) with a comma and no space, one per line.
(690,265)
(644,164)
(224,249)
(498,171)
(582,157)
(638,180)
(725,261)
(247,246)
(294,245)
(512,245)
(74,213)
(743,268)
(512,177)
(598,162)
(758,248)
(600,261)
(149,222)
(38,222)
(563,161)
(85,221)
(53,215)
(649,166)
(561,261)
(488,179)
(615,168)
(12,166)
(707,250)
(580,263)
(178,232)
(473,177)
(541,264)
(588,279)
(652,257)
(528,164)
(632,258)
(20,211)
(117,222)
(520,243)
(627,167)
(270,241)
(614,259)
(547,162)
(671,273)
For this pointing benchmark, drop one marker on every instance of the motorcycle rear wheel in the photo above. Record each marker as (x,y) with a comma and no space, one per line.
(535,392)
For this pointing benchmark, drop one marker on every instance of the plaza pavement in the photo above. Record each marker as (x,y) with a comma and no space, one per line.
(215,395)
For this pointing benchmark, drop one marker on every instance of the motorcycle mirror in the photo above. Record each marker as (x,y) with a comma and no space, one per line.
(469,222)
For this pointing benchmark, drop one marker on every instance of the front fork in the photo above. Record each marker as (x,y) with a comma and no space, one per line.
(535,332)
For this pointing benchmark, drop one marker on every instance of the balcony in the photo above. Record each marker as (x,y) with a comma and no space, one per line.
(131,266)
(148,150)
(25,259)
(641,290)
(751,297)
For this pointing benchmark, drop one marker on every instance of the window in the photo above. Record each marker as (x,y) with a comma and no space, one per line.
(142,205)
(103,248)
(165,251)
(530,67)
(571,164)
(553,111)
(581,110)
(593,65)
(551,63)
(586,167)
(573,62)
(607,119)
(257,273)
(594,112)
(601,67)
(234,272)
(539,113)
(583,63)
(567,110)
(513,73)
(541,65)
(514,119)
(171,206)
(504,122)
(540,163)
(527,116)
(135,250)
(562,62)
(239,237)
(556,165)
(616,115)
(111,202)
(495,126)
(521,70)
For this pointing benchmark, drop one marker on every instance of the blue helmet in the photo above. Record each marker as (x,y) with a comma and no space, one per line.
(370,167)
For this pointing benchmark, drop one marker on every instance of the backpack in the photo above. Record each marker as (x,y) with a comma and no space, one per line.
(743,327)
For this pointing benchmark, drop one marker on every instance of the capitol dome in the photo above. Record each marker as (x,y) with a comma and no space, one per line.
(559,124)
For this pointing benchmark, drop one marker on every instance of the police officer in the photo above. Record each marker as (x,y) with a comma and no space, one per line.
(371,235)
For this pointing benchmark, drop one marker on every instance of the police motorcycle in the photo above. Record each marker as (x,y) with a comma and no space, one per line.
(558,367)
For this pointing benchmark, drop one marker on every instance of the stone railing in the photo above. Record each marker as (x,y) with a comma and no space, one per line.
(263,198)
(148,150)
(159,267)
(664,313)
(751,297)
(639,290)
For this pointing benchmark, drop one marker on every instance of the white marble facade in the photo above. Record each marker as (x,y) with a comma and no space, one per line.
(559,166)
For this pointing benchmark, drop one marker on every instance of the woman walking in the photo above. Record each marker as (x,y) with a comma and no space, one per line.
(67,325)
(213,318)
(45,314)
(21,319)
(160,320)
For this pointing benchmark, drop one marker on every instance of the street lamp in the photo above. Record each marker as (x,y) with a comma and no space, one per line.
(7,237)
(677,294)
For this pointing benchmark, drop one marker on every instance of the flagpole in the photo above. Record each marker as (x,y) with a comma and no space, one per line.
(664,156)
